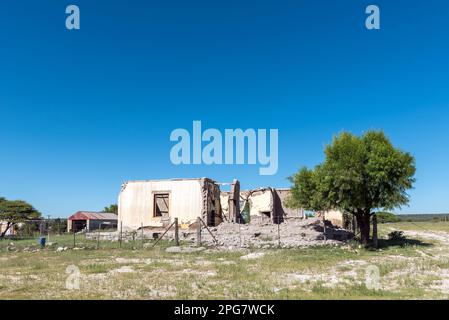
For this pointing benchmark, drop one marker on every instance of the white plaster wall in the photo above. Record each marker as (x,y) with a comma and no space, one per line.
(260,202)
(224,202)
(136,202)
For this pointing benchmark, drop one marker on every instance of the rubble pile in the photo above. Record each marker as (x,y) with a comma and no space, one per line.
(259,233)
(264,234)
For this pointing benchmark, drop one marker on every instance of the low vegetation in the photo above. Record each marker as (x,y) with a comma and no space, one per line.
(386,217)
(414,266)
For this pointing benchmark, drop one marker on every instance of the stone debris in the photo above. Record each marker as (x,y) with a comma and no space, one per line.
(124,269)
(130,260)
(259,233)
(264,234)
(184,249)
(254,255)
(302,278)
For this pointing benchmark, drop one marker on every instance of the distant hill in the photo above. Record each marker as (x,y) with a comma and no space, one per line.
(424,217)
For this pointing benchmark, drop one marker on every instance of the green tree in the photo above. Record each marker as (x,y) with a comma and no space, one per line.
(360,175)
(57,225)
(385,217)
(113,208)
(16,211)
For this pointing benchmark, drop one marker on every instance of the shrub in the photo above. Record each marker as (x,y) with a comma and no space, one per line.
(396,236)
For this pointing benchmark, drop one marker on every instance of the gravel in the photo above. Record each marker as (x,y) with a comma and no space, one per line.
(263,234)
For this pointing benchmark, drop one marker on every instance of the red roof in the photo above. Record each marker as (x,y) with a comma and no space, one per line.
(87,215)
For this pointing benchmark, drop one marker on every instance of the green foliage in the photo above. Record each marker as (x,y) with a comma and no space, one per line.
(246,213)
(306,190)
(358,175)
(57,225)
(113,208)
(424,217)
(347,220)
(28,229)
(15,211)
(385,217)
(396,236)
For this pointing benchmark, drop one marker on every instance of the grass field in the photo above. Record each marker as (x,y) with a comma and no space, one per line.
(415,269)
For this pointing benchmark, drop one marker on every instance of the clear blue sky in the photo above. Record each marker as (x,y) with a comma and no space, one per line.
(83,111)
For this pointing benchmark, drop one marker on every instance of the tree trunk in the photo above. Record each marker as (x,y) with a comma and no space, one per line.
(363,222)
(375,240)
(8,226)
(354,225)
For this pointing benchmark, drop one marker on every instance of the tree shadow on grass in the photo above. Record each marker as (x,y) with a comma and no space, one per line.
(386,243)
(334,232)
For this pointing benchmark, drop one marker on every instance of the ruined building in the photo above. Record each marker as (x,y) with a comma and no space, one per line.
(155,203)
(263,203)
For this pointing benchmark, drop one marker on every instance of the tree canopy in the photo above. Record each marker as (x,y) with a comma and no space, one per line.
(358,175)
(113,208)
(16,211)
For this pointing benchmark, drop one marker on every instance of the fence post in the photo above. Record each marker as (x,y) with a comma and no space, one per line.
(120,235)
(176,232)
(240,231)
(198,232)
(41,229)
(74,237)
(205,226)
(48,229)
(166,230)
(324,227)
(279,233)
(98,237)
(141,229)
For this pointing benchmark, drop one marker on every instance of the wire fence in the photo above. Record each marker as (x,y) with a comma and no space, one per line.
(53,234)
(266,232)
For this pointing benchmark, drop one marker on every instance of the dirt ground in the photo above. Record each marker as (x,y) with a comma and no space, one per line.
(415,268)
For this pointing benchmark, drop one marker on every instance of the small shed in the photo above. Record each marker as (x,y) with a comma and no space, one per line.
(91,221)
